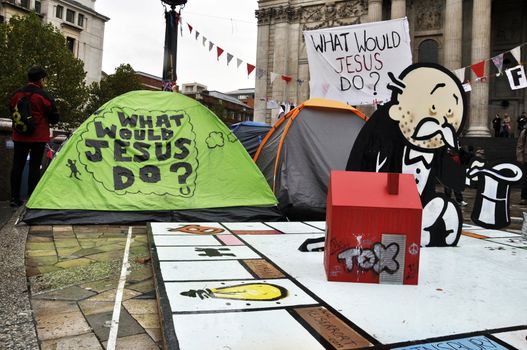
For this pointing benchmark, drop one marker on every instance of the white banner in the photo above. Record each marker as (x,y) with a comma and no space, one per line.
(351,63)
(516,77)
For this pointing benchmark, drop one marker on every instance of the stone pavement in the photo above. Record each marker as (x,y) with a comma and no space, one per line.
(59,284)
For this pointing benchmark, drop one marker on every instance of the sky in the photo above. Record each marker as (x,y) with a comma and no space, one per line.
(135,35)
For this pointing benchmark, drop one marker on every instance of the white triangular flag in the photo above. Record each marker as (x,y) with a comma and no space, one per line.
(204,40)
(238,62)
(516,52)
(274,76)
(460,74)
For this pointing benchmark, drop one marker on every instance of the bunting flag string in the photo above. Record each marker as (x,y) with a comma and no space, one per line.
(260,73)
(477,68)
(498,61)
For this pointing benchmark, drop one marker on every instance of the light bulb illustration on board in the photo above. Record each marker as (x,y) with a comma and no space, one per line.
(250,291)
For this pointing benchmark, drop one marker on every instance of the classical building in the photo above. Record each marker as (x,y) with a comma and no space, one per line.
(81,25)
(228,108)
(454,33)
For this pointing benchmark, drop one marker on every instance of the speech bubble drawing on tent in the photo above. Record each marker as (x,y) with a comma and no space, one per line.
(140,151)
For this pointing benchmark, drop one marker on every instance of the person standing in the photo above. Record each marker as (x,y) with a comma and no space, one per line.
(506,126)
(44,112)
(496,125)
(521,157)
(521,122)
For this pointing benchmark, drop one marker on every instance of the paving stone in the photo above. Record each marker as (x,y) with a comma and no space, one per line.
(70,293)
(140,273)
(91,307)
(62,228)
(140,250)
(147,320)
(42,306)
(148,295)
(135,306)
(93,236)
(40,229)
(66,252)
(85,251)
(142,287)
(40,246)
(107,256)
(50,252)
(106,247)
(141,238)
(87,229)
(100,324)
(109,295)
(48,268)
(135,342)
(66,243)
(81,342)
(87,243)
(102,285)
(67,264)
(41,260)
(35,238)
(155,334)
(59,325)
(139,229)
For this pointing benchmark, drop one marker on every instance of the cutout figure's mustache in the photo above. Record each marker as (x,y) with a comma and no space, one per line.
(429,127)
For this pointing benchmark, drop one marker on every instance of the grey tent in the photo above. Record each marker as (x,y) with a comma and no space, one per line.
(302,148)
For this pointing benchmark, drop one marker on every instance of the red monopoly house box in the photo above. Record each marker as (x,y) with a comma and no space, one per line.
(372,235)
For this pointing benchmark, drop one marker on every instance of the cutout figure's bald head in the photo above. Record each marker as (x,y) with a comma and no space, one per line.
(430,108)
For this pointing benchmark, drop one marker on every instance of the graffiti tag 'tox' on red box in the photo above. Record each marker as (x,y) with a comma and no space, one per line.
(372,235)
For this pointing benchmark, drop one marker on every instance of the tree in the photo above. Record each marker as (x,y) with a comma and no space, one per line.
(27,41)
(123,80)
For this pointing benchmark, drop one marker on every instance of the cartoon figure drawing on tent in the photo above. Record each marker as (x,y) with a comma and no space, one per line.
(410,134)
(73,168)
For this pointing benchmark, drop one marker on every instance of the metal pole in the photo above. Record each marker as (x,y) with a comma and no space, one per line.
(170,54)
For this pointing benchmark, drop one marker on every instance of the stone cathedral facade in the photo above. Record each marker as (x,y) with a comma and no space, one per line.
(454,33)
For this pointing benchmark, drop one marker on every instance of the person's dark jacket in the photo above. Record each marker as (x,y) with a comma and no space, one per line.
(44,112)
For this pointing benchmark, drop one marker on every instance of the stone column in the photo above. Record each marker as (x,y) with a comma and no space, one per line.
(453,33)
(398,8)
(281,48)
(262,52)
(479,97)
(375,10)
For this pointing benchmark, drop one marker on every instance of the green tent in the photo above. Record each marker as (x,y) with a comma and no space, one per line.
(151,156)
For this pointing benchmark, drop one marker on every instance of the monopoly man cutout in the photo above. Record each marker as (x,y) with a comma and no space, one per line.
(410,134)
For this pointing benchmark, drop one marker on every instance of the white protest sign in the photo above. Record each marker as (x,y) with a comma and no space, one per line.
(516,77)
(351,63)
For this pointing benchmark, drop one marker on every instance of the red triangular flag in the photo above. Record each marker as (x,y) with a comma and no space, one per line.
(250,68)
(189,27)
(220,51)
(479,69)
(286,78)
